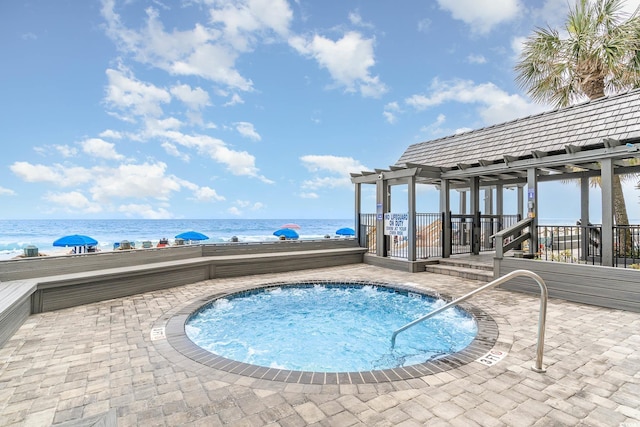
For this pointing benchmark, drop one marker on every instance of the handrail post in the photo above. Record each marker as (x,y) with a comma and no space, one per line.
(542,318)
(499,246)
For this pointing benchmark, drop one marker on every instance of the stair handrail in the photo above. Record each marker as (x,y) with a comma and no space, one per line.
(542,317)
(516,233)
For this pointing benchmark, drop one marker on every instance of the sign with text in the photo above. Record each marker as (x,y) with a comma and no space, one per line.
(493,357)
(396,224)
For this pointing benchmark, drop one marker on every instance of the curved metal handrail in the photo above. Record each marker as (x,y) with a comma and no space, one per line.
(542,320)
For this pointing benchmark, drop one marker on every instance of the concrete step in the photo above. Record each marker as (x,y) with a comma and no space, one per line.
(459,271)
(466,263)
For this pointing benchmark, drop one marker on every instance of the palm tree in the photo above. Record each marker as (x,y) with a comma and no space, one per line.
(599,55)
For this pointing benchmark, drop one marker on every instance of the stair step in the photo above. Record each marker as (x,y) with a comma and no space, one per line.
(458,271)
(466,264)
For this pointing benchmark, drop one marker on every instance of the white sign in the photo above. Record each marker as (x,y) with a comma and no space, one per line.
(396,224)
(493,357)
(157,334)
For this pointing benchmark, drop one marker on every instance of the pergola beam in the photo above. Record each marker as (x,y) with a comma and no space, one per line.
(558,160)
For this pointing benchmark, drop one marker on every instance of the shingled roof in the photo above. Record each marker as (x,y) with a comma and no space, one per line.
(585,125)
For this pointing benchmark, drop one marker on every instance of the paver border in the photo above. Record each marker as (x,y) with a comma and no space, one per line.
(484,341)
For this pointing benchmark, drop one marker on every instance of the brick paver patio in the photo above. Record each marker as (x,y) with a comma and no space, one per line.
(99,360)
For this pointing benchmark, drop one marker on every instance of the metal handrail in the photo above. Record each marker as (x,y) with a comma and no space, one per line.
(542,320)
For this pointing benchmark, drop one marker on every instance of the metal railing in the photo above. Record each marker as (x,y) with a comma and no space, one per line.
(428,236)
(542,318)
(572,244)
(461,233)
(367,236)
(429,228)
(626,248)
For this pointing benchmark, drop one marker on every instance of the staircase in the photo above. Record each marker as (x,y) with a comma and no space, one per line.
(462,267)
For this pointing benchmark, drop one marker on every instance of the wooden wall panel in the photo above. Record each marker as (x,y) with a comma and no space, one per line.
(610,287)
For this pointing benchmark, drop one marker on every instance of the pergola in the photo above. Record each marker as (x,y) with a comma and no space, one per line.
(597,138)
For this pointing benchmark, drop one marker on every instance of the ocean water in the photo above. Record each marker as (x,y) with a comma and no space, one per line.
(16,235)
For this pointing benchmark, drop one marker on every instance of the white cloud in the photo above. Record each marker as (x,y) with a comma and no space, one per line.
(552,13)
(356,19)
(195,99)
(326,182)
(424,25)
(495,105)
(517,45)
(66,151)
(333,164)
(172,150)
(136,181)
(6,192)
(247,130)
(109,133)
(482,15)
(144,211)
(132,96)
(235,100)
(234,211)
(348,61)
(155,125)
(390,111)
(206,194)
(73,201)
(309,195)
(338,169)
(237,162)
(476,59)
(241,205)
(191,52)
(241,20)
(56,174)
(435,127)
(97,147)
(105,184)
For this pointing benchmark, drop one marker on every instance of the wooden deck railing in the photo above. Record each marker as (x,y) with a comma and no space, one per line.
(513,237)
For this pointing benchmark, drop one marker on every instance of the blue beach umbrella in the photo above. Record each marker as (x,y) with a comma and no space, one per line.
(287,233)
(346,231)
(75,240)
(192,235)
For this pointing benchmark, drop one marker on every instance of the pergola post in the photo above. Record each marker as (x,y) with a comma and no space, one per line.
(500,203)
(445,208)
(488,210)
(463,202)
(411,203)
(532,207)
(382,207)
(463,210)
(606,180)
(358,207)
(584,217)
(520,191)
(474,190)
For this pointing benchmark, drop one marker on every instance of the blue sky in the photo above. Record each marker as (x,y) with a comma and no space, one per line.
(245,109)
